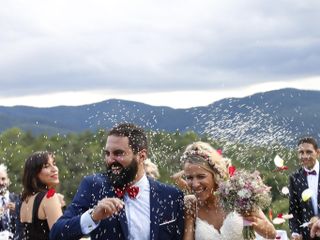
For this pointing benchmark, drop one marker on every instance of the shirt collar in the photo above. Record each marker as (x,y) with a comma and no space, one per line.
(315,168)
(143,185)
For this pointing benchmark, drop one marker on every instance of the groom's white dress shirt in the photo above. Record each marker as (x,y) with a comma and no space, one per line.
(137,213)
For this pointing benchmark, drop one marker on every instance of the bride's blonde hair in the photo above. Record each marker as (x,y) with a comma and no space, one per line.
(203,154)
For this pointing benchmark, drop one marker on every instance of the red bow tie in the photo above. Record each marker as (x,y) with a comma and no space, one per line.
(132,192)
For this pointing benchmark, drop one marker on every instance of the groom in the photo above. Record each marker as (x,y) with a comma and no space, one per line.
(123,203)
(306,177)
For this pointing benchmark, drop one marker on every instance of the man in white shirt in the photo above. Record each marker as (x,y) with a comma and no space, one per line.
(306,177)
(7,204)
(123,203)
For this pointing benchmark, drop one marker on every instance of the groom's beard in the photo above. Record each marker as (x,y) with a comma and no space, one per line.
(124,176)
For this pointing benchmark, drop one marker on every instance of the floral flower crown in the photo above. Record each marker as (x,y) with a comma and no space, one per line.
(198,153)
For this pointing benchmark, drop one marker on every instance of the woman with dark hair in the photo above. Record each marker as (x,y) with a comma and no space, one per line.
(40,206)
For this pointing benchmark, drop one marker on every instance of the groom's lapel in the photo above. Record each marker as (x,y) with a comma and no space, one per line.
(155,209)
(304,181)
(304,185)
(318,196)
(123,222)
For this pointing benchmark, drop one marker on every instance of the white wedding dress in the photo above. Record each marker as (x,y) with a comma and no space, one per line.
(231,229)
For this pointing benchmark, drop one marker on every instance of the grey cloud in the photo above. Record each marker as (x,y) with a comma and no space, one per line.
(225,45)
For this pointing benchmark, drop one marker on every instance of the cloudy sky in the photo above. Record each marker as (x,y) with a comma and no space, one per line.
(178,53)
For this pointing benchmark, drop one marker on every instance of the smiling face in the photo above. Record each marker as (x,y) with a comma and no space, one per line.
(123,166)
(49,173)
(307,155)
(200,181)
(4,182)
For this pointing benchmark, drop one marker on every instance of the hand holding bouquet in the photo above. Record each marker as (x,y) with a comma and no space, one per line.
(244,193)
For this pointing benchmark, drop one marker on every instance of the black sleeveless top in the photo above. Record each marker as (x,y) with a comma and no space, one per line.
(37,229)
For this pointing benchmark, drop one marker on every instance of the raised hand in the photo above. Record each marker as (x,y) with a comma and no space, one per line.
(261,224)
(180,182)
(296,237)
(106,208)
(315,229)
(11,206)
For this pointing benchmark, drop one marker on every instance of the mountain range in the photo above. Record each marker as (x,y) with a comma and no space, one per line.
(273,117)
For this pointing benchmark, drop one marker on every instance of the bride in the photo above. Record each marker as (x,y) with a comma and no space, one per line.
(205,219)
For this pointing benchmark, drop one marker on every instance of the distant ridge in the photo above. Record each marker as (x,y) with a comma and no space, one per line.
(273,117)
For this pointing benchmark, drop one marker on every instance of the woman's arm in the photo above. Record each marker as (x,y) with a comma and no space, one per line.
(261,224)
(189,217)
(52,209)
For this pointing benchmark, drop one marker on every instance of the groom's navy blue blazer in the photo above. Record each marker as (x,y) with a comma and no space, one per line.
(166,212)
(302,210)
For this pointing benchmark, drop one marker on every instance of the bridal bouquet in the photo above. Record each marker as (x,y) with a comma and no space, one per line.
(244,193)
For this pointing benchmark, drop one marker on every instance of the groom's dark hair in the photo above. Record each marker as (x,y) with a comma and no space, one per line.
(136,135)
(309,140)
